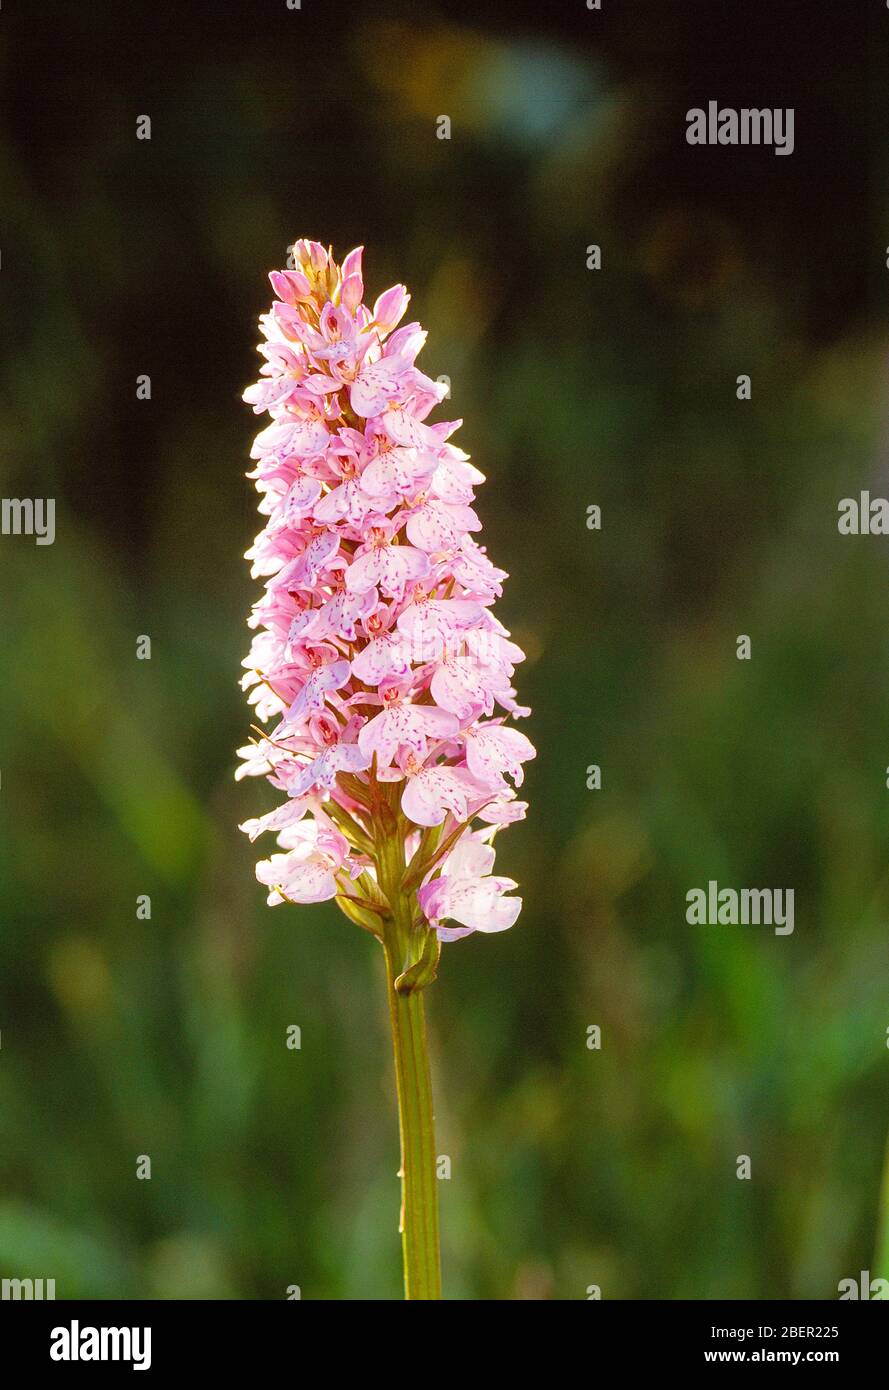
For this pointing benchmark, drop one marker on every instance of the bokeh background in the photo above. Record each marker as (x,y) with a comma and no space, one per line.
(121,1037)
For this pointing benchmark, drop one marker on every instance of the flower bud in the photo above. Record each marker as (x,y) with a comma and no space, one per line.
(390,307)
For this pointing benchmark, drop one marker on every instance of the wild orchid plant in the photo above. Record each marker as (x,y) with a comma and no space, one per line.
(380,665)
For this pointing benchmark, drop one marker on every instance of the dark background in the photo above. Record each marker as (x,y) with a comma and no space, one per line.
(165,1037)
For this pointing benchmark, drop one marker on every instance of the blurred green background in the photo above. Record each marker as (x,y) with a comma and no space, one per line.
(166,1037)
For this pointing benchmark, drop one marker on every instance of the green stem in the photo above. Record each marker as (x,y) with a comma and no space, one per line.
(419,1183)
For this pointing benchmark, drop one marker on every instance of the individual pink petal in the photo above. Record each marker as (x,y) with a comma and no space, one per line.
(440,525)
(442,616)
(404,428)
(284,437)
(308,880)
(493,749)
(482,907)
(291,286)
(461,685)
(433,792)
(313,693)
(383,656)
(376,384)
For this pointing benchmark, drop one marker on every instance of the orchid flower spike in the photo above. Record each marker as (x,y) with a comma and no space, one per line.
(377,659)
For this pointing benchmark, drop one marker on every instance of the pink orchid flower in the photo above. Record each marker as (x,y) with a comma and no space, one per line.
(383,564)
(329,673)
(382,380)
(307,872)
(494,749)
(401,724)
(386,653)
(438,790)
(396,471)
(467,893)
